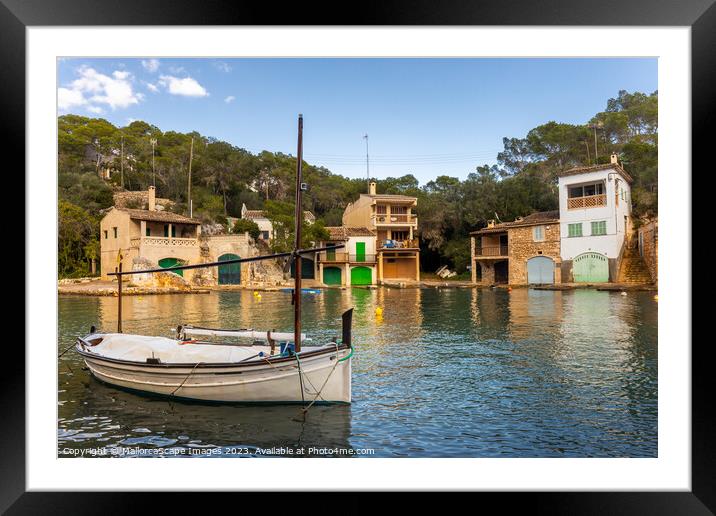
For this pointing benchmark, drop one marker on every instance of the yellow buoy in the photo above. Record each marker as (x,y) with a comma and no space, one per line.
(378,311)
(256,293)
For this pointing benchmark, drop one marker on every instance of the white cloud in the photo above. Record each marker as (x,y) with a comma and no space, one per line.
(95,109)
(187,86)
(150,65)
(152,87)
(94,88)
(230,98)
(67,98)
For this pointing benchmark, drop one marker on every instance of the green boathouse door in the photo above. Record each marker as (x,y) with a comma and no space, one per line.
(229,274)
(361,276)
(331,276)
(590,268)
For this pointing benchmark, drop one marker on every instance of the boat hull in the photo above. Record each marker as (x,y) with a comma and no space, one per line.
(325,377)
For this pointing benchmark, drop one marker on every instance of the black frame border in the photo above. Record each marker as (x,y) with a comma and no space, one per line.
(700,15)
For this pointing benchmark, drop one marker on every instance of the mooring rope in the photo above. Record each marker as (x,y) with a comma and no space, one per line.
(305,409)
(185,379)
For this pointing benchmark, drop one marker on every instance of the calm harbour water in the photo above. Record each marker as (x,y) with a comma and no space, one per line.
(443,373)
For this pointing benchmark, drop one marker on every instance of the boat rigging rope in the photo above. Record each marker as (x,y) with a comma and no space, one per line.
(185,379)
(305,409)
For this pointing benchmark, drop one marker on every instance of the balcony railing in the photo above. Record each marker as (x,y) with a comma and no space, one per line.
(496,250)
(165,241)
(332,257)
(362,258)
(399,244)
(391,218)
(588,201)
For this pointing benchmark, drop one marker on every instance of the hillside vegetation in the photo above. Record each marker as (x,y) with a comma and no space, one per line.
(224,176)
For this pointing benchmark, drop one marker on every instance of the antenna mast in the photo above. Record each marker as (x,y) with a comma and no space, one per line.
(367,161)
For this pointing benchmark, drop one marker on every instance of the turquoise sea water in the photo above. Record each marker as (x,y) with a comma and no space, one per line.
(443,373)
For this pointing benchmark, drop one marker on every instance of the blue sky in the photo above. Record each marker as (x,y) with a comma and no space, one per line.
(427,117)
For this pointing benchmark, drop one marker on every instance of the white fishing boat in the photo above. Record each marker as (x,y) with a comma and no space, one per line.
(220,371)
(259,366)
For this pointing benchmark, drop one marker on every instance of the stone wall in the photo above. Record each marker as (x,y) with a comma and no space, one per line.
(649,247)
(522,247)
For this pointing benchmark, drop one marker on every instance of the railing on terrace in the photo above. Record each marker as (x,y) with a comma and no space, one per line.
(588,201)
(496,250)
(332,257)
(362,258)
(165,241)
(399,244)
(391,218)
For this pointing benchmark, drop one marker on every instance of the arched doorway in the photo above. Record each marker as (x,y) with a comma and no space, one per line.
(361,276)
(331,276)
(540,270)
(229,274)
(165,263)
(590,268)
(307,270)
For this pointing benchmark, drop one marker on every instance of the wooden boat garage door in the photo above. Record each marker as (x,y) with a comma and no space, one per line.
(361,276)
(165,263)
(229,274)
(540,270)
(590,268)
(331,276)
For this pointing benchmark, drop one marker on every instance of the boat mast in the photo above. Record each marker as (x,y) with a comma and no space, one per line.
(297,244)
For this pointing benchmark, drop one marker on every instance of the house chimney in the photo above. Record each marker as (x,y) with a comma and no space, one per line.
(372,188)
(491,223)
(151,199)
(615,161)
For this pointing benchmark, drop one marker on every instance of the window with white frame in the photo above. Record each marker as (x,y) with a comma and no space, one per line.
(538,233)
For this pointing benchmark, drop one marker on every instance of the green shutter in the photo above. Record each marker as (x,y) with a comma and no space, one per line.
(174,231)
(360,251)
(575,230)
(166,230)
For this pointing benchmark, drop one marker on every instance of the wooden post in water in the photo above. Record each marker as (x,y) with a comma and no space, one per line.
(119,298)
(297,245)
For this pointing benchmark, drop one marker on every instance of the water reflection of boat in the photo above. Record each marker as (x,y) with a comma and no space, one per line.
(203,370)
(132,420)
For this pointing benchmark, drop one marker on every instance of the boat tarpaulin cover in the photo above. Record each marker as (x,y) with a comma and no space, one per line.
(138,348)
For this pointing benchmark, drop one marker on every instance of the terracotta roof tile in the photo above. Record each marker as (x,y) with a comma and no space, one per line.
(533,219)
(159,216)
(343,232)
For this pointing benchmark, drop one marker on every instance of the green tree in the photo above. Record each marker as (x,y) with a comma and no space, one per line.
(243,226)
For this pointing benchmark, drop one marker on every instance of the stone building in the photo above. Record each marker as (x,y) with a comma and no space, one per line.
(157,238)
(524,251)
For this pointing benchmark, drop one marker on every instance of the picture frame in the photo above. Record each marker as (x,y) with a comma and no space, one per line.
(17,15)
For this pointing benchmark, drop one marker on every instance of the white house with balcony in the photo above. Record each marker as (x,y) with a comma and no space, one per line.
(595,219)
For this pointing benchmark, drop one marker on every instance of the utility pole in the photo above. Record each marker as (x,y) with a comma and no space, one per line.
(121,162)
(191,155)
(153,141)
(367,161)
